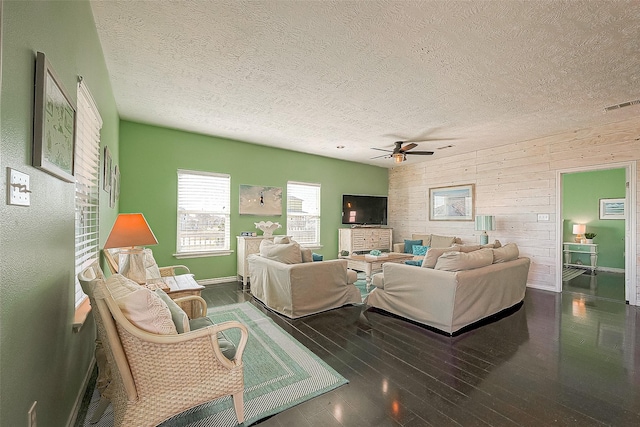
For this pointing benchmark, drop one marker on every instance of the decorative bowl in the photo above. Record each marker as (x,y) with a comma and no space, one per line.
(267,227)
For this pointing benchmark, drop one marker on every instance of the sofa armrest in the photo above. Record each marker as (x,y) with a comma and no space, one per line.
(398,247)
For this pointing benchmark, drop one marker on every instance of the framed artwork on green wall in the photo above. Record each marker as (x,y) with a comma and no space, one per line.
(260,200)
(612,208)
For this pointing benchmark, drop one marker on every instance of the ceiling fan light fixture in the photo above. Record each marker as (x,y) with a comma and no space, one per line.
(398,157)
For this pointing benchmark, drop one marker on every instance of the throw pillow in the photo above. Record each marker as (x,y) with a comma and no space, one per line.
(178,316)
(120,286)
(287,253)
(150,265)
(281,239)
(408,245)
(433,254)
(508,252)
(147,311)
(459,261)
(416,262)
(307,255)
(426,238)
(468,248)
(441,241)
(420,250)
(317,257)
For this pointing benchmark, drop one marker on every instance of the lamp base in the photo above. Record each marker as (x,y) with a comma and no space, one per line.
(131,264)
(484,238)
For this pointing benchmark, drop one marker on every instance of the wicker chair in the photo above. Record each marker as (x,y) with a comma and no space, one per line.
(153,377)
(111,255)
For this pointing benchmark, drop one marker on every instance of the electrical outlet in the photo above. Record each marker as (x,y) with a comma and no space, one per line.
(18,192)
(31,416)
(543,217)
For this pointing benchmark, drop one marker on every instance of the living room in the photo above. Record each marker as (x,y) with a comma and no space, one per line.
(42,357)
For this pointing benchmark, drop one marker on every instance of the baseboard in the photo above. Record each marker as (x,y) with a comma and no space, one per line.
(85,383)
(217,280)
(611,269)
(541,287)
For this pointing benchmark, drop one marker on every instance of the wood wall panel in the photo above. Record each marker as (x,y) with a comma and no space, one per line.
(515,182)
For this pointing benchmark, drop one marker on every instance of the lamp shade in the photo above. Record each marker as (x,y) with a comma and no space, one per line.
(130,230)
(485,222)
(579,228)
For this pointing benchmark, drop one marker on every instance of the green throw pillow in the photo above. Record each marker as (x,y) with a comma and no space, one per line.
(409,244)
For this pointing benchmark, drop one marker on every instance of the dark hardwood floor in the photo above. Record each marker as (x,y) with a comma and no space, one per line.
(561,359)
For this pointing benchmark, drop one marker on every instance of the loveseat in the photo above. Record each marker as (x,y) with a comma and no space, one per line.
(285,278)
(454,288)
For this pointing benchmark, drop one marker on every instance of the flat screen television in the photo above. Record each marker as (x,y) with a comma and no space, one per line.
(364,210)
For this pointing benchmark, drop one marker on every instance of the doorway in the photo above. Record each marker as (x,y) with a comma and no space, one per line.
(604,266)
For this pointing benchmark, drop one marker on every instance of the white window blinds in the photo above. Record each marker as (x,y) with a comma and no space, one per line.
(203,212)
(87,168)
(303,212)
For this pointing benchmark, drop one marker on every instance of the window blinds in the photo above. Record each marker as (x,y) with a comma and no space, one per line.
(203,211)
(303,212)
(87,172)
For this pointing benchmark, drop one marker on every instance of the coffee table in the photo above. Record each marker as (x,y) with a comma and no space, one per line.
(368,264)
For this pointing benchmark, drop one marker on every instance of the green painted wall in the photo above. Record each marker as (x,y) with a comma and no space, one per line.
(150,157)
(40,357)
(581,194)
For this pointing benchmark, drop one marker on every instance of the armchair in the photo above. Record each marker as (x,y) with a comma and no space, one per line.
(112,256)
(146,375)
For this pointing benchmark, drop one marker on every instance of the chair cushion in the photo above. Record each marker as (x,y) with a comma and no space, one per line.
(120,286)
(508,252)
(433,254)
(441,241)
(287,253)
(227,347)
(420,250)
(459,261)
(150,265)
(408,245)
(147,311)
(178,316)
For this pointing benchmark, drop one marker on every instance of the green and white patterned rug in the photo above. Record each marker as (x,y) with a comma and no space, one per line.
(279,373)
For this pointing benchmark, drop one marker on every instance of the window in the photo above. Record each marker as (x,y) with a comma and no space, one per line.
(87,173)
(303,213)
(203,213)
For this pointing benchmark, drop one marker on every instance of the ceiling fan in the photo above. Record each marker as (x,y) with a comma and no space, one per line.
(399,153)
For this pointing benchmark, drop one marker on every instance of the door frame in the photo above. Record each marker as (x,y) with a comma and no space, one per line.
(631,290)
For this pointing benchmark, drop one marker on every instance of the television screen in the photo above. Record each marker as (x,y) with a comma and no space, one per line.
(364,210)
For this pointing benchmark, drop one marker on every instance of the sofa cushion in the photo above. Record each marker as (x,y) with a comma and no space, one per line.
(147,311)
(352,276)
(409,244)
(426,238)
(433,254)
(281,239)
(377,280)
(178,316)
(459,261)
(441,241)
(287,253)
(420,250)
(307,255)
(468,248)
(508,252)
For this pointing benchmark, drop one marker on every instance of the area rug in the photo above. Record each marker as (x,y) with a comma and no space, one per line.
(570,273)
(279,373)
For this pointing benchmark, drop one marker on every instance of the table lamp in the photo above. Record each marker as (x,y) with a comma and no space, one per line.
(578,230)
(129,232)
(485,223)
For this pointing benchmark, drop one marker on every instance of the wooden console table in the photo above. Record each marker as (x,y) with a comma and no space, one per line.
(572,253)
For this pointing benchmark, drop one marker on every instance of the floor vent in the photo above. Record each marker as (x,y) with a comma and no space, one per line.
(624,104)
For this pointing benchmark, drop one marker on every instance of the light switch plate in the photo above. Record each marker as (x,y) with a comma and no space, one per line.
(18,192)
(543,217)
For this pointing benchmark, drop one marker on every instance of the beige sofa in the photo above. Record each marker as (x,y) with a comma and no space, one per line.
(294,288)
(461,289)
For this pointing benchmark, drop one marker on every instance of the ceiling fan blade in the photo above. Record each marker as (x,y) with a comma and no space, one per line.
(384,155)
(382,149)
(421,153)
(408,147)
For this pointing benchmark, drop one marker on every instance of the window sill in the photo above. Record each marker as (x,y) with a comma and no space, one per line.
(202,254)
(82,312)
(312,246)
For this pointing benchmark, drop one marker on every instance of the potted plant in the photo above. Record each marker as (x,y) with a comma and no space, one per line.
(589,237)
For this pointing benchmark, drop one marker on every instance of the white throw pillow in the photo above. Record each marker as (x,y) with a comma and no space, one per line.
(307,255)
(459,261)
(287,253)
(120,286)
(431,258)
(441,241)
(281,239)
(508,252)
(147,311)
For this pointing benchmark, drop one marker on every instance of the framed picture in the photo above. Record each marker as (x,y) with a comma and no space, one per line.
(106,169)
(259,200)
(452,203)
(115,187)
(612,208)
(54,124)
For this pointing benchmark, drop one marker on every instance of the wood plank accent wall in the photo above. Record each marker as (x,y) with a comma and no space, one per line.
(515,182)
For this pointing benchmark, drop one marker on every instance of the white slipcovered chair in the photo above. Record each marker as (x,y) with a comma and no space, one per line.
(150,377)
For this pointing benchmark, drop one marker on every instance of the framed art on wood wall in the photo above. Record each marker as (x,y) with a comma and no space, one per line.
(54,124)
(612,208)
(454,203)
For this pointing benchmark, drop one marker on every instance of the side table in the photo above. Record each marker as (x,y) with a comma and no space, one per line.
(572,255)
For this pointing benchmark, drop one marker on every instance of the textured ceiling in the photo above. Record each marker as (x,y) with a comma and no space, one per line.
(310,76)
